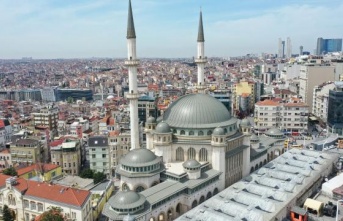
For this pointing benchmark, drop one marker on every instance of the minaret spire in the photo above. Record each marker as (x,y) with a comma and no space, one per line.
(201,59)
(201,37)
(131,33)
(132,64)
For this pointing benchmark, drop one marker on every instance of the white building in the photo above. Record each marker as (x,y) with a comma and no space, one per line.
(291,116)
(321,100)
(99,154)
(28,199)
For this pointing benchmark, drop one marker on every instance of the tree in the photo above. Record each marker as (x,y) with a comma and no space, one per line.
(53,214)
(87,173)
(10,171)
(7,214)
(70,100)
(98,177)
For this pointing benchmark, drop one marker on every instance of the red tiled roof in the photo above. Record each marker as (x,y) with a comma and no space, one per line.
(268,103)
(6,150)
(56,143)
(47,167)
(46,191)
(2,124)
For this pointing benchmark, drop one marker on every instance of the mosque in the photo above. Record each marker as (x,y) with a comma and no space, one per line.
(194,151)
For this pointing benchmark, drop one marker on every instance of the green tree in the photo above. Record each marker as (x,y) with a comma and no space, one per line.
(7,214)
(98,177)
(53,214)
(87,173)
(70,100)
(10,171)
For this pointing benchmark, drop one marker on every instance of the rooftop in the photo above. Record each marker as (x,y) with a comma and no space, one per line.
(264,193)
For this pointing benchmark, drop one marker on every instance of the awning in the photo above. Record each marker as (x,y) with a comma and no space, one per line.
(313,118)
(313,204)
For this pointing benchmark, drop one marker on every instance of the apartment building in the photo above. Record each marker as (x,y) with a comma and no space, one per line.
(28,199)
(47,116)
(290,116)
(321,100)
(66,152)
(99,154)
(27,150)
(119,144)
(311,75)
(243,96)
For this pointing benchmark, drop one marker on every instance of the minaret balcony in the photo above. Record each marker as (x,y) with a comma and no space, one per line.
(200,60)
(132,62)
(132,96)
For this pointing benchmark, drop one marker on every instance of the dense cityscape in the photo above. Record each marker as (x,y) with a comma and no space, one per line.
(256,137)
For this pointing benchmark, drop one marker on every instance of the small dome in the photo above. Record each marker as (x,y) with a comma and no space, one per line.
(274,132)
(126,200)
(245,123)
(191,164)
(138,157)
(151,120)
(110,97)
(163,127)
(219,131)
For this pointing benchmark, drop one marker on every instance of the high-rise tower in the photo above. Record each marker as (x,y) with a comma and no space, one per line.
(289,47)
(131,63)
(201,60)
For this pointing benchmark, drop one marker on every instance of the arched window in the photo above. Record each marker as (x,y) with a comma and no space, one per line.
(191,133)
(191,153)
(182,132)
(194,204)
(209,132)
(209,195)
(125,187)
(139,189)
(174,131)
(179,154)
(202,199)
(215,191)
(202,155)
(201,133)
(225,130)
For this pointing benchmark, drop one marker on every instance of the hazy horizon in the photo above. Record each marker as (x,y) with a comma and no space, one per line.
(83,29)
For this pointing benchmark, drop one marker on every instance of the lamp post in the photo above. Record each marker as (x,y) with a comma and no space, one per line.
(338,201)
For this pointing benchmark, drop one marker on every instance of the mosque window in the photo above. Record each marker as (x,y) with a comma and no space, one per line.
(225,130)
(191,132)
(182,132)
(179,154)
(202,155)
(139,189)
(174,131)
(164,139)
(230,129)
(209,132)
(191,153)
(200,133)
(125,187)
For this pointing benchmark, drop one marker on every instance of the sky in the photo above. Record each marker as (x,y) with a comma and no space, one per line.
(164,28)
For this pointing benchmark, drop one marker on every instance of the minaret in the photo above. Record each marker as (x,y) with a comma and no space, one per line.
(132,64)
(201,59)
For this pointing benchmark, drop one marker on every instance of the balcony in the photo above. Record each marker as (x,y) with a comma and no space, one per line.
(132,62)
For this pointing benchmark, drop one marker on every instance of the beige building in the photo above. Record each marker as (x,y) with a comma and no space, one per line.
(27,150)
(291,116)
(47,116)
(28,199)
(311,75)
(119,145)
(67,153)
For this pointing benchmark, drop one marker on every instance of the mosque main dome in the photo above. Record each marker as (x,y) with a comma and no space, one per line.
(196,111)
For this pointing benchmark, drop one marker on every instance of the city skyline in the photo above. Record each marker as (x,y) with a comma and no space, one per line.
(83,29)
